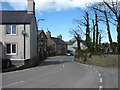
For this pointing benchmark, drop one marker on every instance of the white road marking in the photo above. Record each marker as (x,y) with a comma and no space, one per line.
(59,70)
(63,65)
(94,68)
(13,83)
(97,71)
(101,80)
(90,66)
(100,87)
(34,78)
(99,75)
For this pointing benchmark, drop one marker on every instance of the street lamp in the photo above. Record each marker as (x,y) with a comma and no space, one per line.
(40,20)
(37,27)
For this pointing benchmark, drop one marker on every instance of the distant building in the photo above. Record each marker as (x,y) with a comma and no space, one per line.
(70,46)
(56,46)
(18,35)
(42,44)
(82,45)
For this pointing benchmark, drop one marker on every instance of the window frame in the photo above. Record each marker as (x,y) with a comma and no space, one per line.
(11,29)
(11,48)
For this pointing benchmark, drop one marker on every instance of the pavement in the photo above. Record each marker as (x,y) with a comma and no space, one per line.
(62,72)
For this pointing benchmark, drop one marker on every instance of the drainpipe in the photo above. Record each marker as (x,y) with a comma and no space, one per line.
(24,33)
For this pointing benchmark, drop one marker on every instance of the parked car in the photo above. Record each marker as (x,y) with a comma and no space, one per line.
(70,53)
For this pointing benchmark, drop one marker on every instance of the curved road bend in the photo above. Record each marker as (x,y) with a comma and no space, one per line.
(56,72)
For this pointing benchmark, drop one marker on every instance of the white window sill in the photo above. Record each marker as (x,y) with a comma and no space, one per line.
(12,54)
(12,34)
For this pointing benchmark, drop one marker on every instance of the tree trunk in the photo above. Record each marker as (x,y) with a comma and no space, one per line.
(78,41)
(109,33)
(93,47)
(97,31)
(87,31)
(100,38)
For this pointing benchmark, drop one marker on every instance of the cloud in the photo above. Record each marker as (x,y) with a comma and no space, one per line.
(57,5)
(17,4)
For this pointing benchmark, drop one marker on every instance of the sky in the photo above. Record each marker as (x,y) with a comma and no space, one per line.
(58,15)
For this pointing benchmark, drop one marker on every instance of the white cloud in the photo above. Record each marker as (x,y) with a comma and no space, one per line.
(17,4)
(57,5)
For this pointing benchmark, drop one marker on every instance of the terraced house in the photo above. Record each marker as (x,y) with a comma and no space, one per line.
(18,35)
(55,45)
(42,44)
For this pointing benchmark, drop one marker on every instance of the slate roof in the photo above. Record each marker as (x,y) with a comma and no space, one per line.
(70,42)
(57,40)
(15,17)
(39,31)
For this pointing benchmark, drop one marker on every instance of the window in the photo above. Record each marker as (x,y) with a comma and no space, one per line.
(45,49)
(11,29)
(41,43)
(11,49)
(39,49)
(42,35)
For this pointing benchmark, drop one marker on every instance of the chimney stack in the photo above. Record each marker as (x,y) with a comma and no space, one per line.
(48,34)
(31,7)
(60,36)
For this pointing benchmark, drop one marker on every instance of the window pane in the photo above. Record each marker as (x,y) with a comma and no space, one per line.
(8,49)
(13,29)
(8,29)
(13,48)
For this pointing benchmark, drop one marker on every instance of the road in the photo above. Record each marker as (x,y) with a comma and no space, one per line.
(61,72)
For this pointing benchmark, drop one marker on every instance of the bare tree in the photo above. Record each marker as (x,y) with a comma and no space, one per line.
(97,29)
(93,47)
(88,39)
(77,37)
(85,23)
(102,9)
(114,9)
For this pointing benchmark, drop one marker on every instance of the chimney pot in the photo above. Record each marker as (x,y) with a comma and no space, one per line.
(31,7)
(48,34)
(60,36)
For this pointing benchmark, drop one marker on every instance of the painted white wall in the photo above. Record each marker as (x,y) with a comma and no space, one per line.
(1,29)
(17,39)
(83,47)
(27,43)
(70,47)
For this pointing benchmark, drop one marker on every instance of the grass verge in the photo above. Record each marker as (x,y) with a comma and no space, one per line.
(102,60)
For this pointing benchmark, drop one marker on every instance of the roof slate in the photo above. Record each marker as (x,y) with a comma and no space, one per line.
(70,42)
(15,17)
(40,31)
(57,40)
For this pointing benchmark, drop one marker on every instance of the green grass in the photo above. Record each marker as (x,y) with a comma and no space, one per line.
(103,60)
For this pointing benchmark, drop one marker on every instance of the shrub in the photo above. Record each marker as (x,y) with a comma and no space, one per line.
(83,55)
